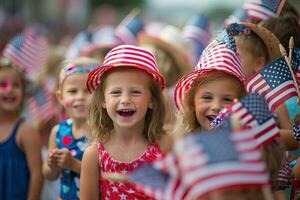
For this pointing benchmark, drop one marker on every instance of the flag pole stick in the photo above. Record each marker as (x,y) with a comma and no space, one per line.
(291,46)
(279,9)
(284,54)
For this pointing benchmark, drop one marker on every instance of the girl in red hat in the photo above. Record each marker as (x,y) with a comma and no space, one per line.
(126,117)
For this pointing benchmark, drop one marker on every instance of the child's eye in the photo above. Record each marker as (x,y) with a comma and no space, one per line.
(72,91)
(115,92)
(16,85)
(136,92)
(228,100)
(206,97)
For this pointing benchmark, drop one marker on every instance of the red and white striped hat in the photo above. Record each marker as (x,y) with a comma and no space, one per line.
(126,56)
(219,55)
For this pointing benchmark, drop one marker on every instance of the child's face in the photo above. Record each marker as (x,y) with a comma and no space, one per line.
(11,90)
(211,97)
(127,97)
(74,96)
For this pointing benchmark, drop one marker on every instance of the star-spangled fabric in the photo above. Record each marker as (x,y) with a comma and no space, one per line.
(296,64)
(204,162)
(274,82)
(296,131)
(252,113)
(219,55)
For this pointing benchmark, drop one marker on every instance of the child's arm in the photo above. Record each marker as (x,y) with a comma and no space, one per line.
(50,169)
(283,117)
(65,160)
(31,144)
(287,140)
(90,174)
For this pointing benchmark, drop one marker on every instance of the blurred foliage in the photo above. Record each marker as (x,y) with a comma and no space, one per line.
(119,4)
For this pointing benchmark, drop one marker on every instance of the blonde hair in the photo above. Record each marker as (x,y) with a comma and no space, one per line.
(102,125)
(186,116)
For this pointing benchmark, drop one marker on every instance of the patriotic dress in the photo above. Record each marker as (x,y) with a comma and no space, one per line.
(14,171)
(69,188)
(121,191)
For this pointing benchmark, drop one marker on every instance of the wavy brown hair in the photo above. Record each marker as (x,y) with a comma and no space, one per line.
(102,125)
(186,116)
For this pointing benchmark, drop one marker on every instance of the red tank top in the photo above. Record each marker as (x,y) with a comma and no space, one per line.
(116,190)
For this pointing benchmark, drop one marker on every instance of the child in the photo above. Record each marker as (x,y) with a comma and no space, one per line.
(67,140)
(258,47)
(126,117)
(20,145)
(201,94)
(284,27)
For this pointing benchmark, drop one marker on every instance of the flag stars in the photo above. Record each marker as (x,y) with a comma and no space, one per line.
(114,189)
(123,196)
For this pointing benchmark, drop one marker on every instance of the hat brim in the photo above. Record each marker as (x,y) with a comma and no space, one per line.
(179,57)
(184,85)
(269,39)
(94,77)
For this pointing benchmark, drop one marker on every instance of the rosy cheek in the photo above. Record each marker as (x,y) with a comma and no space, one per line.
(68,103)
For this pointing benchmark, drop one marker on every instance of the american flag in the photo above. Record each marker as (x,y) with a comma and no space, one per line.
(202,163)
(28,51)
(198,28)
(253,112)
(296,64)
(41,106)
(274,82)
(260,10)
(219,55)
(128,29)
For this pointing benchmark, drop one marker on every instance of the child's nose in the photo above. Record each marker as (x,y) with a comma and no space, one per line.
(216,106)
(125,98)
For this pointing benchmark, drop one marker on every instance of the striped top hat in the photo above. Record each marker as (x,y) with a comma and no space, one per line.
(126,56)
(129,28)
(259,10)
(220,55)
(197,33)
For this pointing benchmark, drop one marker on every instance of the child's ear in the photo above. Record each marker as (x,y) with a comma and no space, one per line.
(58,95)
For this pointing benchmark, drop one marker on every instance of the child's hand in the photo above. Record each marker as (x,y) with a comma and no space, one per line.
(51,160)
(64,158)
